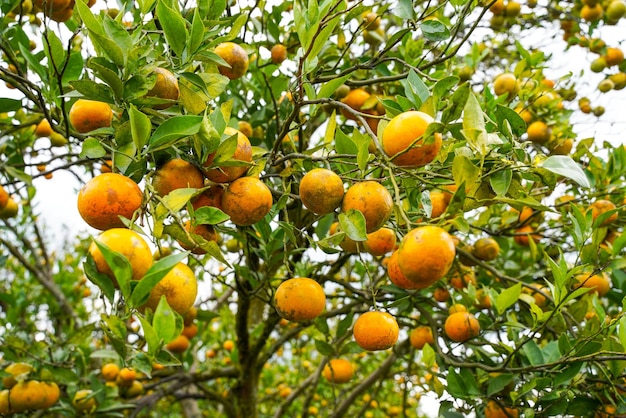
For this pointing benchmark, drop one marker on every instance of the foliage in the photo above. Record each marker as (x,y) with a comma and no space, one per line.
(557,351)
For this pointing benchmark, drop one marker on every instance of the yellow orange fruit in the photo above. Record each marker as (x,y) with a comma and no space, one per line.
(179,344)
(4,198)
(397,277)
(338,370)
(205,231)
(421,336)
(210,197)
(373,200)
(278,53)
(299,299)
(600,283)
(106,197)
(524,234)
(355,99)
(539,132)
(84,401)
(494,410)
(321,191)
(165,87)
(426,254)
(27,395)
(601,206)
(180,288)
(486,249)
(235,56)
(380,242)
(15,370)
(126,376)
(228,173)
(376,330)
(43,129)
(130,245)
(247,200)
(52,394)
(176,174)
(245,128)
(461,326)
(88,115)
(403,140)
(505,83)
(110,371)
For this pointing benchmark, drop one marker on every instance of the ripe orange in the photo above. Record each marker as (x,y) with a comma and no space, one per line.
(486,249)
(600,283)
(14,370)
(439,201)
(461,326)
(10,210)
(601,206)
(426,254)
(299,299)
(321,191)
(128,243)
(338,370)
(538,132)
(591,13)
(210,197)
(397,277)
(52,394)
(457,307)
(126,376)
(4,198)
(462,277)
(505,83)
(52,6)
(613,56)
(540,299)
(190,331)
(179,287)
(179,344)
(176,174)
(110,371)
(403,140)
(27,395)
(245,128)
(421,336)
(165,87)
(355,99)
(373,200)
(235,56)
(376,330)
(106,197)
(247,200)
(380,242)
(43,128)
(205,231)
(87,115)
(243,152)
(278,53)
(84,401)
(522,235)
(371,21)
(441,294)
(494,410)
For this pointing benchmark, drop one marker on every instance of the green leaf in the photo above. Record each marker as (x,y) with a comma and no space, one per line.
(178,198)
(566,167)
(103,281)
(152,339)
(329,88)
(500,181)
(456,386)
(9,105)
(456,104)
(504,113)
(498,383)
(428,355)
(118,34)
(165,322)
(622,330)
(109,76)
(214,9)
(508,297)
(225,150)
(92,149)
(404,10)
(93,90)
(352,223)
(197,34)
(343,143)
(444,86)
(174,129)
(109,48)
(173,26)
(434,30)
(140,127)
(415,89)
(153,276)
(345,324)
(55,51)
(324,348)
(91,22)
(532,351)
(474,129)
(210,215)
(120,266)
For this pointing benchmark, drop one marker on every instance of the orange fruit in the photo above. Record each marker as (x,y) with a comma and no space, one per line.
(247,200)
(190,331)
(179,287)
(165,87)
(110,371)
(457,307)
(439,201)
(347,244)
(52,394)
(494,410)
(321,191)
(176,174)
(371,21)
(483,299)
(135,389)
(245,128)
(27,395)
(106,197)
(373,200)
(87,115)
(498,7)
(243,152)
(51,6)
(128,243)
(380,242)
(14,370)
(441,294)
(462,277)
(126,376)
(461,326)
(600,283)
(338,370)
(426,254)
(376,330)
(525,215)
(299,299)
(421,336)
(355,99)
(179,344)
(205,231)
(10,210)
(505,83)
(235,56)
(210,197)
(43,128)
(486,249)
(84,401)
(601,206)
(62,15)
(591,13)
(538,132)
(278,53)
(228,345)
(403,140)
(4,198)
(397,277)
(540,299)
(522,235)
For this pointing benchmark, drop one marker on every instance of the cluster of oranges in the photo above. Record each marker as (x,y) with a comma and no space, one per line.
(21,393)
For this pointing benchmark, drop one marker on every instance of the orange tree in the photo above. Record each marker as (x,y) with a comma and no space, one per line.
(263,299)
